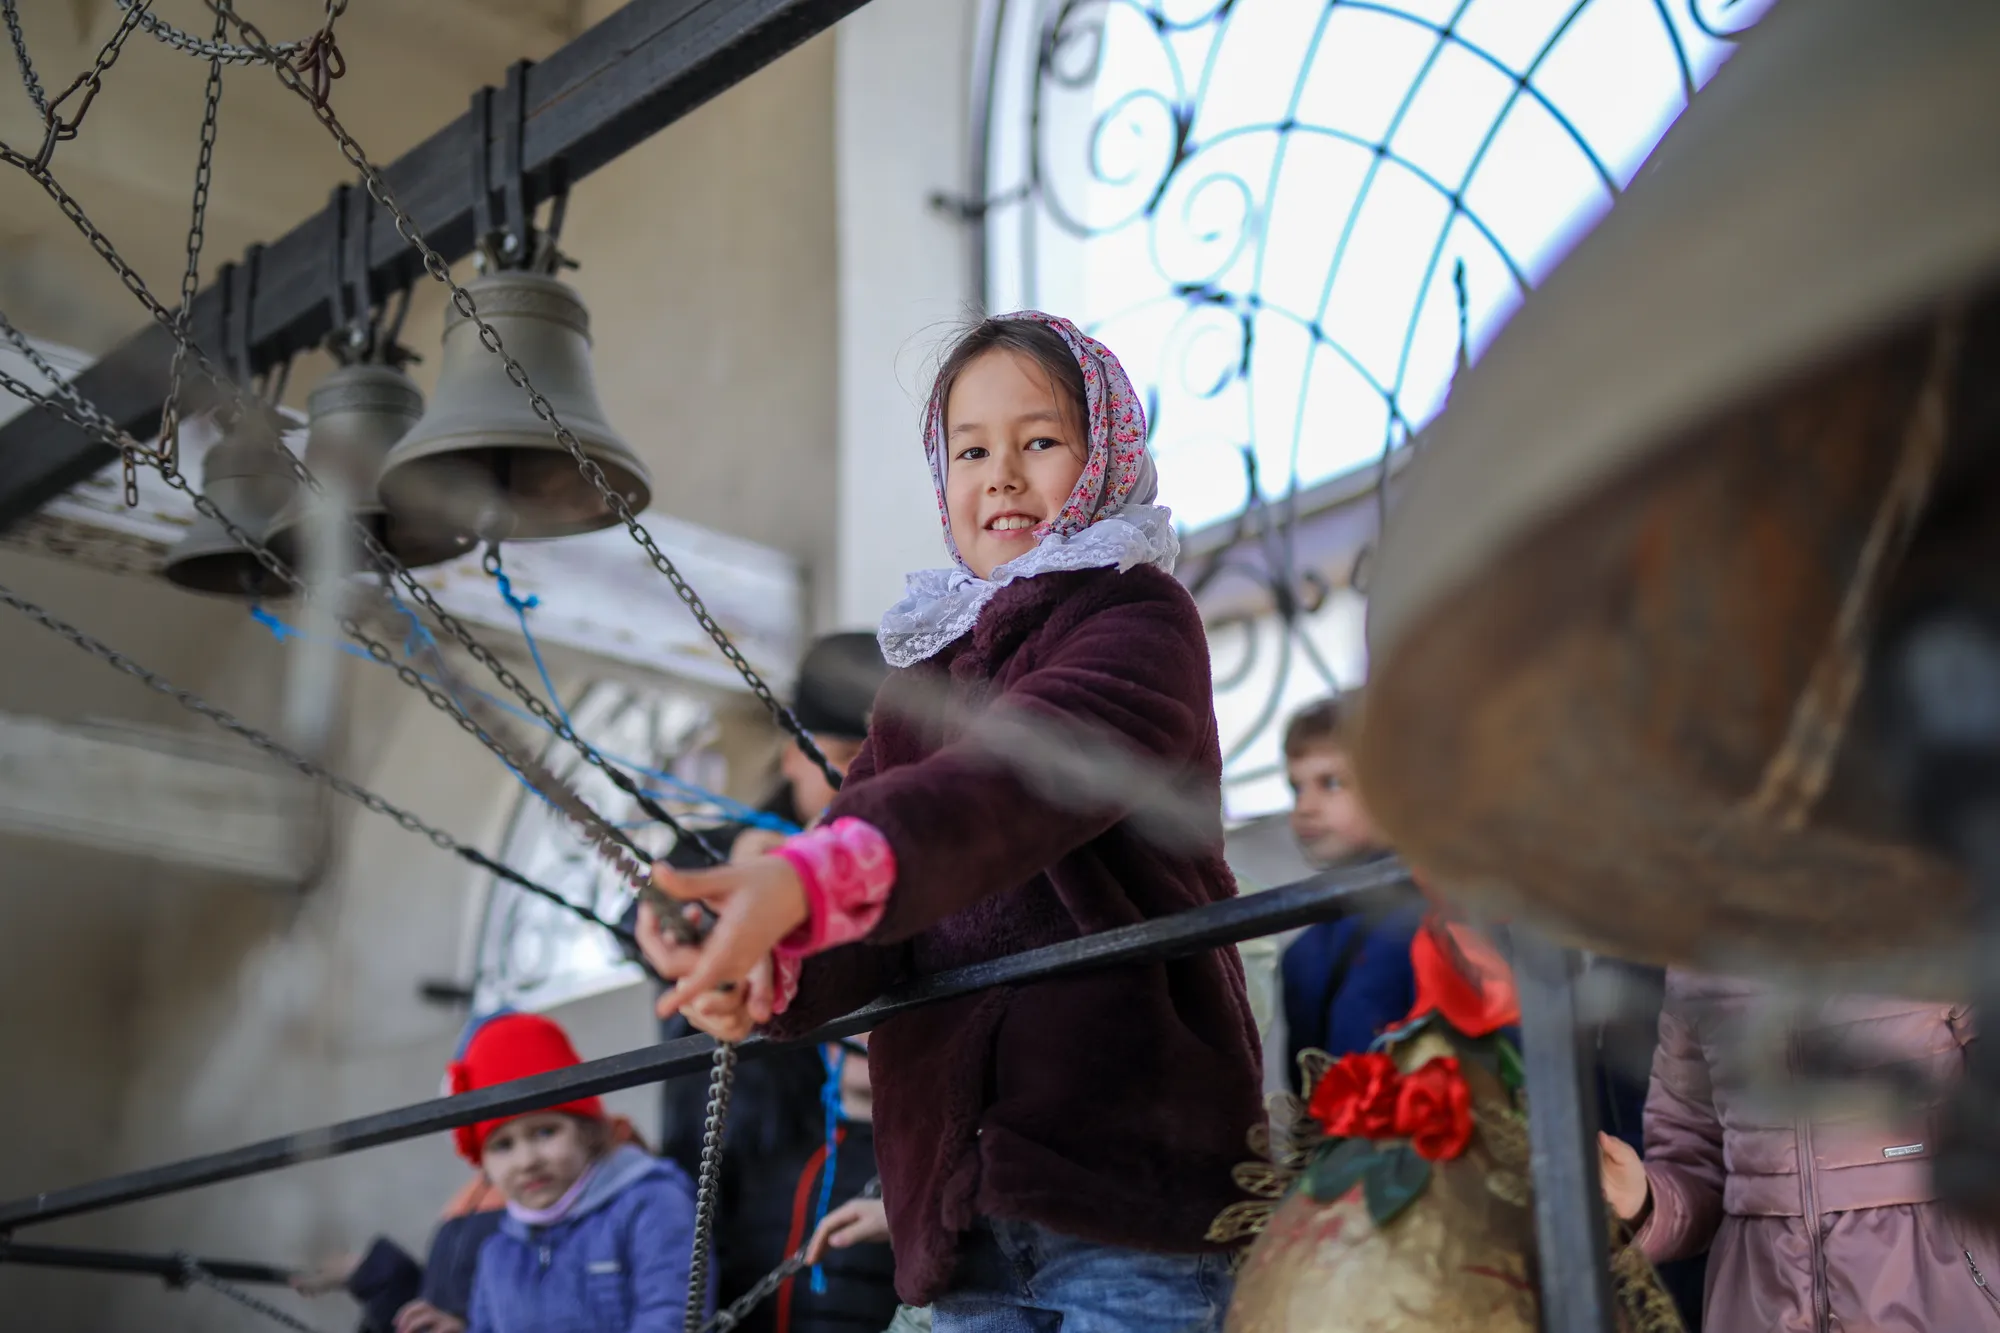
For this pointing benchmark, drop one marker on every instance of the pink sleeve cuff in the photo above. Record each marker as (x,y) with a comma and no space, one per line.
(847,870)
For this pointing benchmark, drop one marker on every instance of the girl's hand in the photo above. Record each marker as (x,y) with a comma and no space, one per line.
(752,843)
(1625,1186)
(729,1015)
(423,1317)
(756,905)
(856,1222)
(326,1277)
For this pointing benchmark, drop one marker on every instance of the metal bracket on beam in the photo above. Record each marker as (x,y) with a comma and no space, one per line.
(619,83)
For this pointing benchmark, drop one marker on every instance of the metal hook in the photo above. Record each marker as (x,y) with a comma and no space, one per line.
(511,124)
(480,123)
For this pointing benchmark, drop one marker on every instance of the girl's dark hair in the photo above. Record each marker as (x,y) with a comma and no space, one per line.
(1030,338)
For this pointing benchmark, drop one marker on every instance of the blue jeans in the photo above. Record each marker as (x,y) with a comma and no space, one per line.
(1016,1277)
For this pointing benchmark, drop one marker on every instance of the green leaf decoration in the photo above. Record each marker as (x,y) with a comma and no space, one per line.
(1334,1172)
(1481,1051)
(1392,1180)
(1512,1075)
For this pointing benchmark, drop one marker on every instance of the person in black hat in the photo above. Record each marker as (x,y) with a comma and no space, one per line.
(777,1142)
(835,694)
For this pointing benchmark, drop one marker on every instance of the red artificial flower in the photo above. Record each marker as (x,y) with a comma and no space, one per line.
(1434,1109)
(1462,979)
(1356,1098)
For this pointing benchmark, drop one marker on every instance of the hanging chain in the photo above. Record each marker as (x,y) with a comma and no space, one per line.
(438,268)
(379,554)
(218,49)
(192,1271)
(767,1287)
(170,417)
(438,691)
(321,59)
(708,1183)
(311,768)
(89,83)
(71,406)
(726,1320)
(28,77)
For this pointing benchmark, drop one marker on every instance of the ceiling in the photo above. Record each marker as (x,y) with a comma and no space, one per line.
(412,65)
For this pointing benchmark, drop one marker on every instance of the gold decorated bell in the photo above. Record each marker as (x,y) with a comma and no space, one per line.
(1459,1259)
(480,459)
(357,414)
(246,477)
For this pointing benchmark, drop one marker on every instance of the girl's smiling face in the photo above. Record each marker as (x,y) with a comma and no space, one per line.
(1013,451)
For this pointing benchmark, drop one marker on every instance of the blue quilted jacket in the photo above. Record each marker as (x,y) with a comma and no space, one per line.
(617,1264)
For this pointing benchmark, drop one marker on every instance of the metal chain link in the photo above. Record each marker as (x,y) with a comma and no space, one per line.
(218,49)
(596,829)
(438,268)
(136,284)
(767,1286)
(277,749)
(379,554)
(90,83)
(708,1184)
(71,406)
(28,78)
(725,1320)
(192,1271)
(170,417)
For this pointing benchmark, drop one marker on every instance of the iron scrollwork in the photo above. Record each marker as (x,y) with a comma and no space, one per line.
(1294,220)
(532,954)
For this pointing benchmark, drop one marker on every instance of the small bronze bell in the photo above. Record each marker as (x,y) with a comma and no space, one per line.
(357,415)
(481,460)
(245,477)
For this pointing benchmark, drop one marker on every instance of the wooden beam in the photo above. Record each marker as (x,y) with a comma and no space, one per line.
(154,797)
(616,85)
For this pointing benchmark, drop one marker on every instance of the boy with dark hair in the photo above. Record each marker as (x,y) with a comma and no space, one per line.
(1347,978)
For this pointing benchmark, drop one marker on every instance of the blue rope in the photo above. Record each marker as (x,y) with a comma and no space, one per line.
(521,606)
(829,1096)
(419,636)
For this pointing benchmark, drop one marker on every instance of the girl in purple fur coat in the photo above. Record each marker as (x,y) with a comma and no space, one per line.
(1051,1154)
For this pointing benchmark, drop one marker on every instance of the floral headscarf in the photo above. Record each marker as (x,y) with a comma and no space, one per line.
(1109,519)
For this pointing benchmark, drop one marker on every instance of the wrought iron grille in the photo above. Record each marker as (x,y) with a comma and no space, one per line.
(532,954)
(1267,207)
(1292,219)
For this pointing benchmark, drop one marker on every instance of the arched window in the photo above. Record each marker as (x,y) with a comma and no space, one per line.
(1290,219)
(532,954)
(1267,207)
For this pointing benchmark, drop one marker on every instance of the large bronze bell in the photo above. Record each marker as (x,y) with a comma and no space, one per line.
(1620,613)
(481,460)
(245,476)
(357,414)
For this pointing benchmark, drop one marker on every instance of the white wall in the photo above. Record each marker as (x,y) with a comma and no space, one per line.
(900,136)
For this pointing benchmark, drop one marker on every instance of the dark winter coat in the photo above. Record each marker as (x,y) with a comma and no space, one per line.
(770,1201)
(387,1278)
(1348,978)
(1111,1105)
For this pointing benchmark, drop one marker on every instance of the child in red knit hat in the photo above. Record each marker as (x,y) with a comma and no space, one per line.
(598,1234)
